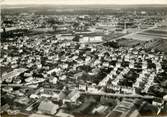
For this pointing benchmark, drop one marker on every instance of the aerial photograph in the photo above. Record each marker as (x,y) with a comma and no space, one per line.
(83,58)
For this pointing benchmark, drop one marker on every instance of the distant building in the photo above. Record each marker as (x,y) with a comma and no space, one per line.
(93,39)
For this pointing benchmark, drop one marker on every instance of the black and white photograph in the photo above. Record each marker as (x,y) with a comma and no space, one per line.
(83,58)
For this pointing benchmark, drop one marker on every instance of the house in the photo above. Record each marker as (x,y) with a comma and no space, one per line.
(54,70)
(54,80)
(106,64)
(118,64)
(127,90)
(62,95)
(165,98)
(92,89)
(48,107)
(74,95)
(115,82)
(144,65)
(82,87)
(127,57)
(34,96)
(63,77)
(29,79)
(131,65)
(7,89)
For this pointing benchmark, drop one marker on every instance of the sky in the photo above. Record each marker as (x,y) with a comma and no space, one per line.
(82,2)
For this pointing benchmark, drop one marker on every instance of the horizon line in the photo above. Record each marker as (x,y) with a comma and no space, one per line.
(81,4)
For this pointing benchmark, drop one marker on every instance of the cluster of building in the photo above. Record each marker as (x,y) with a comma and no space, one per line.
(51,73)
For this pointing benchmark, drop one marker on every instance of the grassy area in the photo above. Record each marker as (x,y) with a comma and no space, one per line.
(129,42)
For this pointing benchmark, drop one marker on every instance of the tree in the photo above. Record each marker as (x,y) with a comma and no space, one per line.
(76,38)
(51,21)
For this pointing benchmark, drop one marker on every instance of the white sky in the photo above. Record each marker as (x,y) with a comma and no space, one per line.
(70,2)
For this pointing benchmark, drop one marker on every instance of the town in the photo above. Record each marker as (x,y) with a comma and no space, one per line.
(101,65)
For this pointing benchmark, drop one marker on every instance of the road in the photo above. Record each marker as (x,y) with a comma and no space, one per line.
(118,95)
(140,31)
